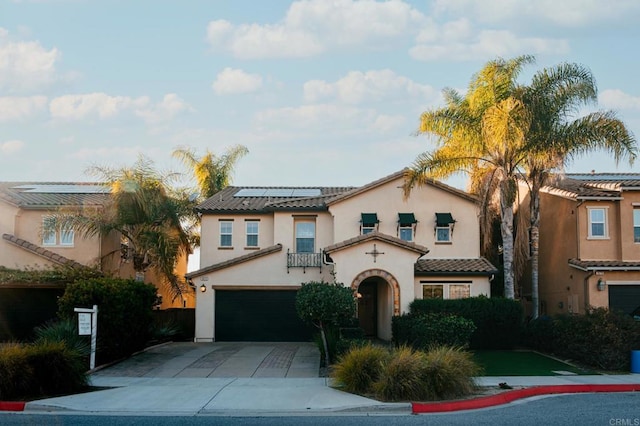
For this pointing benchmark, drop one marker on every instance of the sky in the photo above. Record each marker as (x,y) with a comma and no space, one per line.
(321,92)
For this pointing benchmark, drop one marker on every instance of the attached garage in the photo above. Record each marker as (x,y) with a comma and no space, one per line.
(258,316)
(624,298)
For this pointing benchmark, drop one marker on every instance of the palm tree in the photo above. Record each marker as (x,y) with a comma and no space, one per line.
(553,96)
(212,173)
(483,134)
(143,211)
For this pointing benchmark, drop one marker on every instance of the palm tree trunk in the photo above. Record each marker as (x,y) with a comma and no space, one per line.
(506,230)
(323,335)
(535,245)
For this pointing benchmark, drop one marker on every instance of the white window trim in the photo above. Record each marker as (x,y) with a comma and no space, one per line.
(635,209)
(225,222)
(56,236)
(445,287)
(406,227)
(590,236)
(443,241)
(295,231)
(257,233)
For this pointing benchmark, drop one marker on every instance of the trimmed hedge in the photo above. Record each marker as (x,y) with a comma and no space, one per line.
(599,338)
(428,330)
(125,313)
(498,321)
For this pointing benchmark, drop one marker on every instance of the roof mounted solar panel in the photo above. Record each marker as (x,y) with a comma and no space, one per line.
(279,192)
(307,192)
(64,189)
(250,192)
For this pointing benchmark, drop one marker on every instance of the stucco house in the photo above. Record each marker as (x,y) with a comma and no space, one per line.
(590,243)
(25,208)
(258,244)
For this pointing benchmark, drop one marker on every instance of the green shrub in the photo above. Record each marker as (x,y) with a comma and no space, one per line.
(65,331)
(42,369)
(599,338)
(359,368)
(16,375)
(498,321)
(124,313)
(56,369)
(450,373)
(424,331)
(402,376)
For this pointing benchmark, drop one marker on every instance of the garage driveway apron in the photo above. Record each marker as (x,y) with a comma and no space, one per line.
(219,359)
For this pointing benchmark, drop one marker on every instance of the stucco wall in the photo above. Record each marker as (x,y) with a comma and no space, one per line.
(387,201)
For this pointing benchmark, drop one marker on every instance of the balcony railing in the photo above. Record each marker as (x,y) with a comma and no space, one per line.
(304,261)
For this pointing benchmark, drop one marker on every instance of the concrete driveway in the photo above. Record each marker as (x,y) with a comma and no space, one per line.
(220,359)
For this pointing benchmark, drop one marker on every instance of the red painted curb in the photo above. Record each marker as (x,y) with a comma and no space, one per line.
(11,406)
(507,397)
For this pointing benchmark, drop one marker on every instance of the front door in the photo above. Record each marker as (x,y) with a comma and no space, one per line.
(368,308)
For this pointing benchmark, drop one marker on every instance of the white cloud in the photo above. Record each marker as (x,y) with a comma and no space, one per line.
(116,153)
(313,26)
(486,43)
(387,123)
(25,65)
(617,99)
(316,117)
(17,108)
(103,106)
(9,147)
(570,13)
(358,87)
(232,81)
(170,106)
(76,107)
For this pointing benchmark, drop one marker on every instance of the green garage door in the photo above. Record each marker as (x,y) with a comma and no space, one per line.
(624,298)
(259,316)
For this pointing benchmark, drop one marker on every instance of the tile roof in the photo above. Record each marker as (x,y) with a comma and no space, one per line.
(42,194)
(379,236)
(477,266)
(42,252)
(226,200)
(593,185)
(604,265)
(235,261)
(394,176)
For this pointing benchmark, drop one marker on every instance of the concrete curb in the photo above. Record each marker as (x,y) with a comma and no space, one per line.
(507,397)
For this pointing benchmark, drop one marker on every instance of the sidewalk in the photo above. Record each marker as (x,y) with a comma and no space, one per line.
(243,379)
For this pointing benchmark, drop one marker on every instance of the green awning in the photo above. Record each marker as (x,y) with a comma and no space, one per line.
(406,219)
(444,219)
(369,219)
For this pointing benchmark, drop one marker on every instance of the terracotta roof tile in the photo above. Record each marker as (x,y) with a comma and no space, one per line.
(476,266)
(604,265)
(235,261)
(42,252)
(379,236)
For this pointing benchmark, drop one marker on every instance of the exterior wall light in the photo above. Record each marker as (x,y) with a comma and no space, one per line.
(203,288)
(601,284)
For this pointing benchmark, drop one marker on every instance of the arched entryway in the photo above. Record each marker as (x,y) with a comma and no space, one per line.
(378,295)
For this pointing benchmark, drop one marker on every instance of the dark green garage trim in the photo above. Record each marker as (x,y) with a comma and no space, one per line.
(258,316)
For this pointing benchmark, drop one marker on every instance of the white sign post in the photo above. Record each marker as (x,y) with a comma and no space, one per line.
(88,325)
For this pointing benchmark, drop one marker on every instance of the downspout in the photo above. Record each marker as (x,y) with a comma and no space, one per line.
(586,291)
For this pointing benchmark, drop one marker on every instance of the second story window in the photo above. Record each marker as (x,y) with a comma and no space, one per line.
(597,222)
(406,226)
(444,227)
(53,237)
(636,225)
(305,236)
(368,223)
(253,227)
(226,233)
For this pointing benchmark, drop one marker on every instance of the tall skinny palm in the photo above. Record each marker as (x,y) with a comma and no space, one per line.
(212,173)
(554,96)
(483,134)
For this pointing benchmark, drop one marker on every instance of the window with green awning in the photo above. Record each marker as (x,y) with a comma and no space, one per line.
(406,219)
(444,219)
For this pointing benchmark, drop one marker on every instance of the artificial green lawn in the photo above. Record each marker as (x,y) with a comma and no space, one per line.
(521,363)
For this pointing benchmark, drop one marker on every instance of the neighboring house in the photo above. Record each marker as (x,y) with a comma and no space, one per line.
(590,243)
(258,244)
(24,210)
